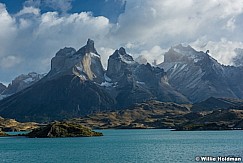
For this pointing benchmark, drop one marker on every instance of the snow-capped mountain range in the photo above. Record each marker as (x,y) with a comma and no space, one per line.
(19,83)
(77,83)
(198,76)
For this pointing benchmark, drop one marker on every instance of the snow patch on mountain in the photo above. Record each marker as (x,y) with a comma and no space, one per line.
(106,84)
(28,80)
(94,55)
(126,60)
(139,82)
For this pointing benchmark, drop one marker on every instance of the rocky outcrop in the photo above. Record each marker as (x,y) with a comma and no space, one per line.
(63,129)
(9,125)
(198,76)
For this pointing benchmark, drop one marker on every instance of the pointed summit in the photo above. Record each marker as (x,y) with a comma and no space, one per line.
(90,42)
(118,62)
(185,54)
(90,45)
(122,51)
(88,48)
(122,55)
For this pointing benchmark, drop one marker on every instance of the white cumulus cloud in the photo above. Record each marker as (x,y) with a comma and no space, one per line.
(28,10)
(9,61)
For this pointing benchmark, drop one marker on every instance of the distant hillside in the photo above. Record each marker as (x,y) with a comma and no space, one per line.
(152,114)
(213,103)
(216,120)
(155,114)
(9,125)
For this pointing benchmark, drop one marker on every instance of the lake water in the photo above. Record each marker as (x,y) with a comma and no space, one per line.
(135,146)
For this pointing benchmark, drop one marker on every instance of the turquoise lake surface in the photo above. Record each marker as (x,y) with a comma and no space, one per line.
(122,146)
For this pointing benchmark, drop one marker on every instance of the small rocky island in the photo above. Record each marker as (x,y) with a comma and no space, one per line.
(11,125)
(62,129)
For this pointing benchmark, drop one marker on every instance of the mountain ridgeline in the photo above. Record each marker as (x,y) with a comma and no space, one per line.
(78,85)
(198,76)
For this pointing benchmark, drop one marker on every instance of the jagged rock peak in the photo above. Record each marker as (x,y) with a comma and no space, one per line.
(122,55)
(67,51)
(122,51)
(186,54)
(90,43)
(118,62)
(88,48)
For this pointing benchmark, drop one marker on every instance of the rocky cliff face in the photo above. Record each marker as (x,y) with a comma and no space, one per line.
(119,63)
(84,63)
(198,76)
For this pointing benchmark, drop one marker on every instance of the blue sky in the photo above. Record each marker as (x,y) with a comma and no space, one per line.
(97,7)
(32,31)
